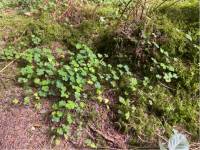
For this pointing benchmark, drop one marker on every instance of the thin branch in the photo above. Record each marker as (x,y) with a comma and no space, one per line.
(166,86)
(9,64)
(159,5)
(124,10)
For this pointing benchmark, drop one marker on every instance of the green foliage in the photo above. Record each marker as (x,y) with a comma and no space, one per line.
(35,5)
(184,11)
(44,30)
(4,4)
(9,53)
(72,81)
(90,144)
(151,66)
(26,101)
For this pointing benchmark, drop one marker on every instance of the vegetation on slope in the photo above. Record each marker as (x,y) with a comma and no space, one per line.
(129,68)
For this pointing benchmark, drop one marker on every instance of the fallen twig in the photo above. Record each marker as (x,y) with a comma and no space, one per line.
(9,64)
(108,138)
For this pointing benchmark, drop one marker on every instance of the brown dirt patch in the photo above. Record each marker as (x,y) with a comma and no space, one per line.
(22,127)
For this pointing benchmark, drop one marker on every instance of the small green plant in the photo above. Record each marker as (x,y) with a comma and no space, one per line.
(9,53)
(72,82)
(15,101)
(162,63)
(26,101)
(126,109)
(35,40)
(90,144)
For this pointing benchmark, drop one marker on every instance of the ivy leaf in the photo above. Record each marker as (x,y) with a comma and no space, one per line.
(59,113)
(65,128)
(45,88)
(22,80)
(37,57)
(37,81)
(55,119)
(42,94)
(55,106)
(57,141)
(49,72)
(69,119)
(77,95)
(61,103)
(40,72)
(59,84)
(27,70)
(78,46)
(158,76)
(163,65)
(70,105)
(45,82)
(60,131)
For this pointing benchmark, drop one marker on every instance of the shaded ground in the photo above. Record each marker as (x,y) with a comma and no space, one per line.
(21,127)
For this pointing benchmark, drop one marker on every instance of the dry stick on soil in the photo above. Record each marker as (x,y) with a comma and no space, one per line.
(115,142)
(4,69)
(159,5)
(107,137)
(9,64)
(100,133)
(19,37)
(125,8)
(166,86)
(162,137)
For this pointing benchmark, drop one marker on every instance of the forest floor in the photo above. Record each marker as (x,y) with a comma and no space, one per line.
(25,127)
(22,127)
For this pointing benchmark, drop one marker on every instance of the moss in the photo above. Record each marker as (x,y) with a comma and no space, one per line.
(108,11)
(182,12)
(13,23)
(86,32)
(46,29)
(178,109)
(159,109)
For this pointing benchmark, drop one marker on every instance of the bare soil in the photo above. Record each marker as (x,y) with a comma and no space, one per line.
(22,127)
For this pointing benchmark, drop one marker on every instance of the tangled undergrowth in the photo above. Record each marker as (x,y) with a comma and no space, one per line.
(143,72)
